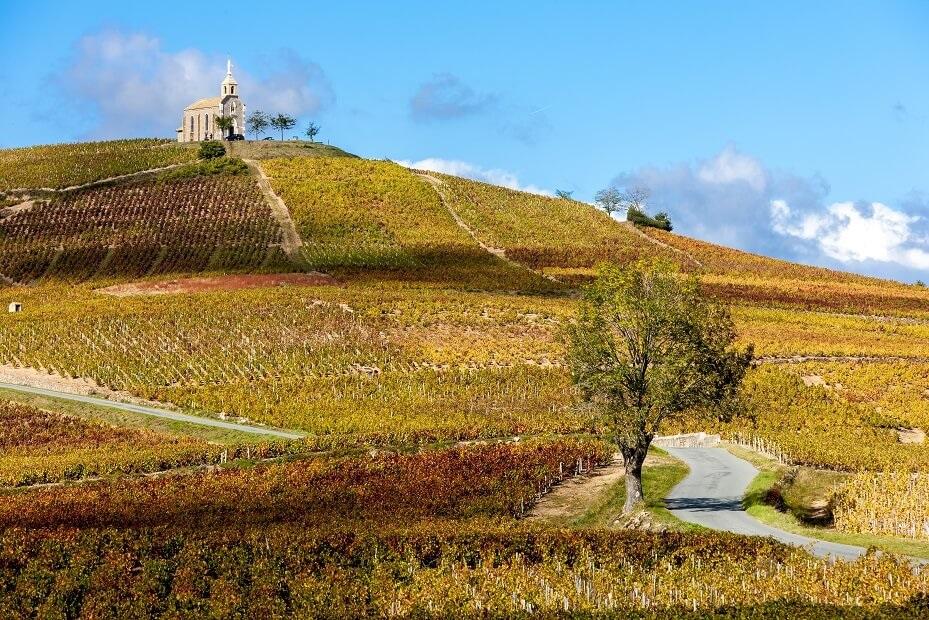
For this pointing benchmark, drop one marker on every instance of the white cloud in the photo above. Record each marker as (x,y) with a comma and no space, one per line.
(848,233)
(733,199)
(133,86)
(731,166)
(456,168)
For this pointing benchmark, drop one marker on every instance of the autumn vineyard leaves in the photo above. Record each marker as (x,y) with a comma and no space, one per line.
(429,377)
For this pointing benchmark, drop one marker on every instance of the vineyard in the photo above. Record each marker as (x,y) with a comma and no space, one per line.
(375,217)
(423,534)
(65,165)
(493,480)
(574,235)
(188,225)
(438,569)
(426,364)
(39,446)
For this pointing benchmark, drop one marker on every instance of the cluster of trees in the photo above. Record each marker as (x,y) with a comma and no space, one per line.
(631,200)
(258,122)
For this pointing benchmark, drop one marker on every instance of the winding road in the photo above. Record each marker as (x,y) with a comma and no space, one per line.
(711,496)
(151,411)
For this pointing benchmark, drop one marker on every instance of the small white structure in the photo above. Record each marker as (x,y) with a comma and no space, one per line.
(15,306)
(199,119)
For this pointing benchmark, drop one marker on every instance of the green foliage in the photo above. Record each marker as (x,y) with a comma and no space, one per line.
(224,124)
(311,131)
(283,122)
(231,166)
(211,149)
(257,122)
(640,218)
(648,346)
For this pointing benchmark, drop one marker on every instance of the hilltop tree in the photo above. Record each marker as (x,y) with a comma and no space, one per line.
(283,122)
(223,123)
(311,130)
(257,123)
(563,194)
(646,347)
(609,199)
(613,200)
(634,197)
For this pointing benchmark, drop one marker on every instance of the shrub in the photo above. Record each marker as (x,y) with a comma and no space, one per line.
(211,150)
(640,218)
(216,166)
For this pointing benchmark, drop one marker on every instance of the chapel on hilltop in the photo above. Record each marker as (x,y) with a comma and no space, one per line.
(199,121)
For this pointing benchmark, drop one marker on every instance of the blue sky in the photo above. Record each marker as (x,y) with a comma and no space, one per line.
(799,129)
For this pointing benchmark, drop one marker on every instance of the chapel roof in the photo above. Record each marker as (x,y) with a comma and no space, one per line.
(209,102)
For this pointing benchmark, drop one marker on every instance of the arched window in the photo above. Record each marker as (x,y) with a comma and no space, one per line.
(224,90)
(191,127)
(233,107)
(232,88)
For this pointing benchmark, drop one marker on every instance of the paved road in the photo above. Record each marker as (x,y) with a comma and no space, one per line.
(711,496)
(151,411)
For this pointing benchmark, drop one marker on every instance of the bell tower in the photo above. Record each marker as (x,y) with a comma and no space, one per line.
(229,86)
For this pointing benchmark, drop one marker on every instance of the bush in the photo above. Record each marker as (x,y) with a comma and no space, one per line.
(211,150)
(640,218)
(219,165)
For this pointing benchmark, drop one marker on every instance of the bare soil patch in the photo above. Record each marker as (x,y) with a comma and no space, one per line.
(572,497)
(36,378)
(911,435)
(218,283)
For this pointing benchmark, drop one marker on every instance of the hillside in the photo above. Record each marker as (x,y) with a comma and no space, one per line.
(415,339)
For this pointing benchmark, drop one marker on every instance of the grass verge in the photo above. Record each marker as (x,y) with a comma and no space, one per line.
(658,478)
(756,504)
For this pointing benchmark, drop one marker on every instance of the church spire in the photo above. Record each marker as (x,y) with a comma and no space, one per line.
(229,85)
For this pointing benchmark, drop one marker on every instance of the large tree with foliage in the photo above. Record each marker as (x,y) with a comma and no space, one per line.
(283,122)
(648,346)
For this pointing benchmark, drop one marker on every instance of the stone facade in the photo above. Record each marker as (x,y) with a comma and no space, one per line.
(199,120)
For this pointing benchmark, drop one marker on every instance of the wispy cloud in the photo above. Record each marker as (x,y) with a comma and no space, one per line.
(131,85)
(446,97)
(456,168)
(732,198)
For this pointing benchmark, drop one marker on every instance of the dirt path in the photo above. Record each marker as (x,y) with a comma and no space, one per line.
(33,381)
(573,497)
(292,241)
(8,212)
(72,188)
(498,252)
(662,244)
(217,283)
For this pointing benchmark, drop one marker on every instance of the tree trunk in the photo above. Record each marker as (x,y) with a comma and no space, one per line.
(632,460)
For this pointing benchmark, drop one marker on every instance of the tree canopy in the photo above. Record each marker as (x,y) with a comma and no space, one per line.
(648,346)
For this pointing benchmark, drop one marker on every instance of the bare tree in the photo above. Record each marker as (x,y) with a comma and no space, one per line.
(609,199)
(634,197)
